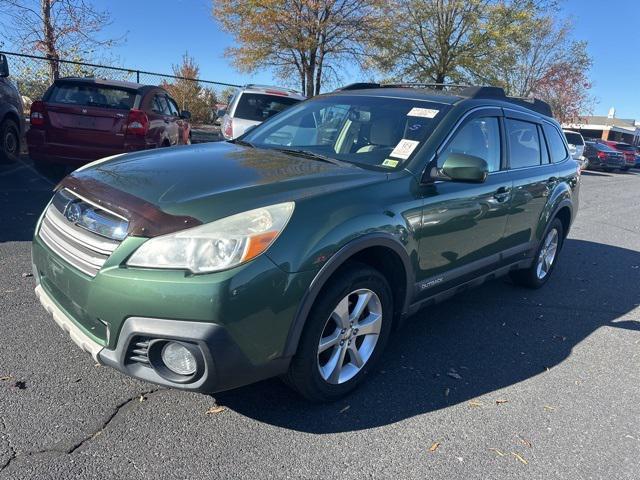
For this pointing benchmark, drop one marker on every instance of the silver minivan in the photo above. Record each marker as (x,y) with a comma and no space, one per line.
(253,104)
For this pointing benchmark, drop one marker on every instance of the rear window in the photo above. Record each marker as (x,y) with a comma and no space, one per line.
(625,147)
(574,138)
(258,107)
(92,96)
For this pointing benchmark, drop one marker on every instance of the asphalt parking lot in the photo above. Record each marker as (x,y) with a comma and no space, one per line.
(500,382)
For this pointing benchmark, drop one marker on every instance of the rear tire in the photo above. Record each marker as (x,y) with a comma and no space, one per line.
(344,335)
(9,141)
(545,259)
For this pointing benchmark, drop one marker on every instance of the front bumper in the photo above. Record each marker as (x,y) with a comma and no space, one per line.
(238,319)
(225,366)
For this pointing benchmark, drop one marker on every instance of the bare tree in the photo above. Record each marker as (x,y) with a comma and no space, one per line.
(54,27)
(303,38)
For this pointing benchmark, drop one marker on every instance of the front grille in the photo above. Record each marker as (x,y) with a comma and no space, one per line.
(85,250)
(139,350)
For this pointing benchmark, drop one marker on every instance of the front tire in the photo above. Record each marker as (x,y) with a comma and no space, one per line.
(545,259)
(344,336)
(9,141)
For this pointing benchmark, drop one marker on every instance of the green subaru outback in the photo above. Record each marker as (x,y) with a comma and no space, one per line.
(297,249)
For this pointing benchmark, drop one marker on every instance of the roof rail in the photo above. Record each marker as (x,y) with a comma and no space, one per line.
(467,91)
(257,85)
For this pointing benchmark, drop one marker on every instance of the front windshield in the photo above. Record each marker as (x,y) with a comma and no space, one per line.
(368,131)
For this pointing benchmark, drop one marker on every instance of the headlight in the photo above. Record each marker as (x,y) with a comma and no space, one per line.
(215,246)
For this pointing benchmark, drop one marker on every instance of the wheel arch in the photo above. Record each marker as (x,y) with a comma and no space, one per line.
(381,251)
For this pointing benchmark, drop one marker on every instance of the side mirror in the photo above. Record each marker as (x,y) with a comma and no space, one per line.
(4,66)
(460,167)
(186,114)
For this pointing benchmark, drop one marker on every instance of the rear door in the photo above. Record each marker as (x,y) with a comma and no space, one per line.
(180,124)
(534,177)
(162,127)
(83,113)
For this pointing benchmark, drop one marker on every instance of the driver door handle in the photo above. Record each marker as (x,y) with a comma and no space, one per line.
(502,194)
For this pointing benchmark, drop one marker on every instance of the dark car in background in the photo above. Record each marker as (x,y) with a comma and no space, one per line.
(628,151)
(11,118)
(83,119)
(602,156)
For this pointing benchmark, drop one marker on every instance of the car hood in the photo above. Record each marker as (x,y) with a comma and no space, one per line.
(202,183)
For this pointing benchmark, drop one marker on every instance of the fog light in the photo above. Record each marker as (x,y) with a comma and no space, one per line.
(178,359)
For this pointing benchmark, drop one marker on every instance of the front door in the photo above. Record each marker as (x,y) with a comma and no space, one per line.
(463,224)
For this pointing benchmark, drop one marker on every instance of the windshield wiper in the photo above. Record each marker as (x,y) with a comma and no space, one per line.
(244,143)
(311,155)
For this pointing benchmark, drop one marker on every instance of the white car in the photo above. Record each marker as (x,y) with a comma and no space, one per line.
(253,104)
(576,145)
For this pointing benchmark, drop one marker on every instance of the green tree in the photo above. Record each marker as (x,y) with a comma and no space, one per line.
(448,40)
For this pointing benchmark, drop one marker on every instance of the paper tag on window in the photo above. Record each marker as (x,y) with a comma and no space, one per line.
(390,162)
(422,112)
(404,148)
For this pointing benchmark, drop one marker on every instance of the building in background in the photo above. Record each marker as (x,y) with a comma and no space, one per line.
(607,128)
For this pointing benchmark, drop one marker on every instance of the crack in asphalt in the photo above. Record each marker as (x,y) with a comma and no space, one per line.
(12,451)
(83,441)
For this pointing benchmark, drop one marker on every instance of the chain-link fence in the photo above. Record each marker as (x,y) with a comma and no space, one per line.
(33,75)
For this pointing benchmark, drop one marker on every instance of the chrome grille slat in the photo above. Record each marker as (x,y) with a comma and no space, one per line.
(85,250)
(79,235)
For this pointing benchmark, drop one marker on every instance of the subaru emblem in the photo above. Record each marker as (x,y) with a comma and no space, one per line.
(73,212)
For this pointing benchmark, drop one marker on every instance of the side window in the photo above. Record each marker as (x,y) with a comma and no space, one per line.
(160,105)
(173,107)
(556,144)
(479,137)
(543,147)
(524,143)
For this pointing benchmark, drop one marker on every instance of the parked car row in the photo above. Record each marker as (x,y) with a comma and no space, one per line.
(607,155)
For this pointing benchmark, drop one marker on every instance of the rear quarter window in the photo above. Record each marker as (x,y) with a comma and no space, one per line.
(557,147)
(258,107)
(88,95)
(524,143)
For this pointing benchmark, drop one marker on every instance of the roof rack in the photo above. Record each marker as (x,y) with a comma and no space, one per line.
(467,91)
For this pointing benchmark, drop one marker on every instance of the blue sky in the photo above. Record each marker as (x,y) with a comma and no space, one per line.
(158,32)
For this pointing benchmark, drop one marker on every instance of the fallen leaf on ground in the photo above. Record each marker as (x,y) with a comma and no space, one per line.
(214,410)
(142,398)
(520,458)
(500,401)
(4,379)
(475,403)
(345,409)
(434,447)
(549,408)
(497,452)
(454,375)
(524,441)
(27,274)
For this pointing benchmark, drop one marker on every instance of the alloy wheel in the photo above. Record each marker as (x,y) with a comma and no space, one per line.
(547,254)
(349,336)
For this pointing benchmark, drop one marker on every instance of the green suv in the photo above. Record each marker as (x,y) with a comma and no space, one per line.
(297,249)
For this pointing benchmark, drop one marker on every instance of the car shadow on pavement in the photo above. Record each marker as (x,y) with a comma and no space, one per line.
(593,173)
(484,340)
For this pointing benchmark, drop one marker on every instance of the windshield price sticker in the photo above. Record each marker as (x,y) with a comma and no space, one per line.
(422,112)
(404,148)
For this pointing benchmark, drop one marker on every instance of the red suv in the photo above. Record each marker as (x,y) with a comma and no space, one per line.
(83,119)
(627,150)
